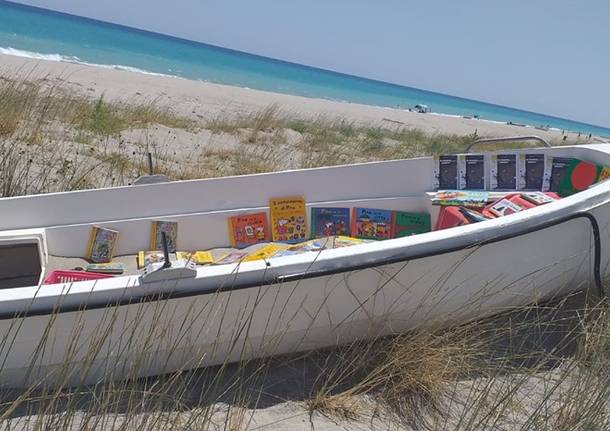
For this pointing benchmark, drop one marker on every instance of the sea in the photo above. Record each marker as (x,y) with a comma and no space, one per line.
(42,34)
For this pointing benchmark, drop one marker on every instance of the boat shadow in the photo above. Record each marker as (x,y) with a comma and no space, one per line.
(536,336)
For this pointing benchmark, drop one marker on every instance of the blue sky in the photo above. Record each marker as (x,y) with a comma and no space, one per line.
(544,56)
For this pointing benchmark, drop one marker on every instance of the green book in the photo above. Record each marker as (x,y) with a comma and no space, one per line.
(406,224)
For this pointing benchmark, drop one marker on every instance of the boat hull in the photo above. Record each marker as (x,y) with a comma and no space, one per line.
(155,336)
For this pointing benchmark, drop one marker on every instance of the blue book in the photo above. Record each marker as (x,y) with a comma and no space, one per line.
(329,222)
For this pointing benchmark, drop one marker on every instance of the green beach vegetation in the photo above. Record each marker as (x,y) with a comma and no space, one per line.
(539,367)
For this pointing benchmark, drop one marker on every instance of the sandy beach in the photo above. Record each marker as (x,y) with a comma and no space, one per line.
(204,100)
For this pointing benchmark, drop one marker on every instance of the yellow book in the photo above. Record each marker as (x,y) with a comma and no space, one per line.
(265,252)
(198,257)
(148,257)
(288,219)
(102,243)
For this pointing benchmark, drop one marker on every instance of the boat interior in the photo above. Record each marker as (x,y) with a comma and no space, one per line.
(43,233)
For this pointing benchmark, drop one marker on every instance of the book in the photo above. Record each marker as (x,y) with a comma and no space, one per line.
(265,252)
(467,198)
(288,219)
(329,222)
(106,268)
(503,172)
(407,223)
(233,257)
(446,172)
(171,235)
(604,174)
(474,172)
(370,223)
(102,243)
(559,168)
(505,207)
(145,258)
(534,171)
(579,176)
(248,229)
(472,216)
(198,257)
(537,198)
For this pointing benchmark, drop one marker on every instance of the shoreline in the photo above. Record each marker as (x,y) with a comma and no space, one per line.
(207,100)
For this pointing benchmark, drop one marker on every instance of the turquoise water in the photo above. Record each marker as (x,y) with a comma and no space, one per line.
(38,33)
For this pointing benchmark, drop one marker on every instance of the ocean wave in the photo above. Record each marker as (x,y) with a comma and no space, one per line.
(75,60)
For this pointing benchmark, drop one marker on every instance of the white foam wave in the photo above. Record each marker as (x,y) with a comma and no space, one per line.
(74,60)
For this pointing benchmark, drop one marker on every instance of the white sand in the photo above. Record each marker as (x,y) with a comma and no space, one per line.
(206,100)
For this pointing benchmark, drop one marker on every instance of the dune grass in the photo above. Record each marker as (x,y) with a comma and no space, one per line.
(538,367)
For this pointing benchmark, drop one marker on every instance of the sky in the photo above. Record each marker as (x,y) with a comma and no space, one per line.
(547,56)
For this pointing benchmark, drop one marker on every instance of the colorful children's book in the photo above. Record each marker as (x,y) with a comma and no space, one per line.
(406,223)
(370,223)
(538,198)
(198,257)
(503,172)
(248,229)
(446,172)
(265,252)
(505,207)
(171,235)
(106,268)
(474,172)
(559,169)
(534,171)
(145,258)
(288,219)
(467,198)
(347,241)
(329,222)
(579,176)
(102,243)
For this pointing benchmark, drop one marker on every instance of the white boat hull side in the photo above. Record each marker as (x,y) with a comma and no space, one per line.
(155,337)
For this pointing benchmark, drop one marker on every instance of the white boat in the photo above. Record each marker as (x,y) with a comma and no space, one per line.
(121,327)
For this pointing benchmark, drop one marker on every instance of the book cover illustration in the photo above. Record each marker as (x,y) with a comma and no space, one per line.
(538,198)
(503,172)
(330,222)
(171,235)
(102,243)
(248,229)
(559,168)
(468,198)
(579,176)
(106,268)
(369,223)
(446,172)
(534,171)
(474,172)
(288,219)
(505,207)
(145,258)
(406,223)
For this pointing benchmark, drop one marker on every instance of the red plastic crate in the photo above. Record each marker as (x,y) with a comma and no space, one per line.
(64,276)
